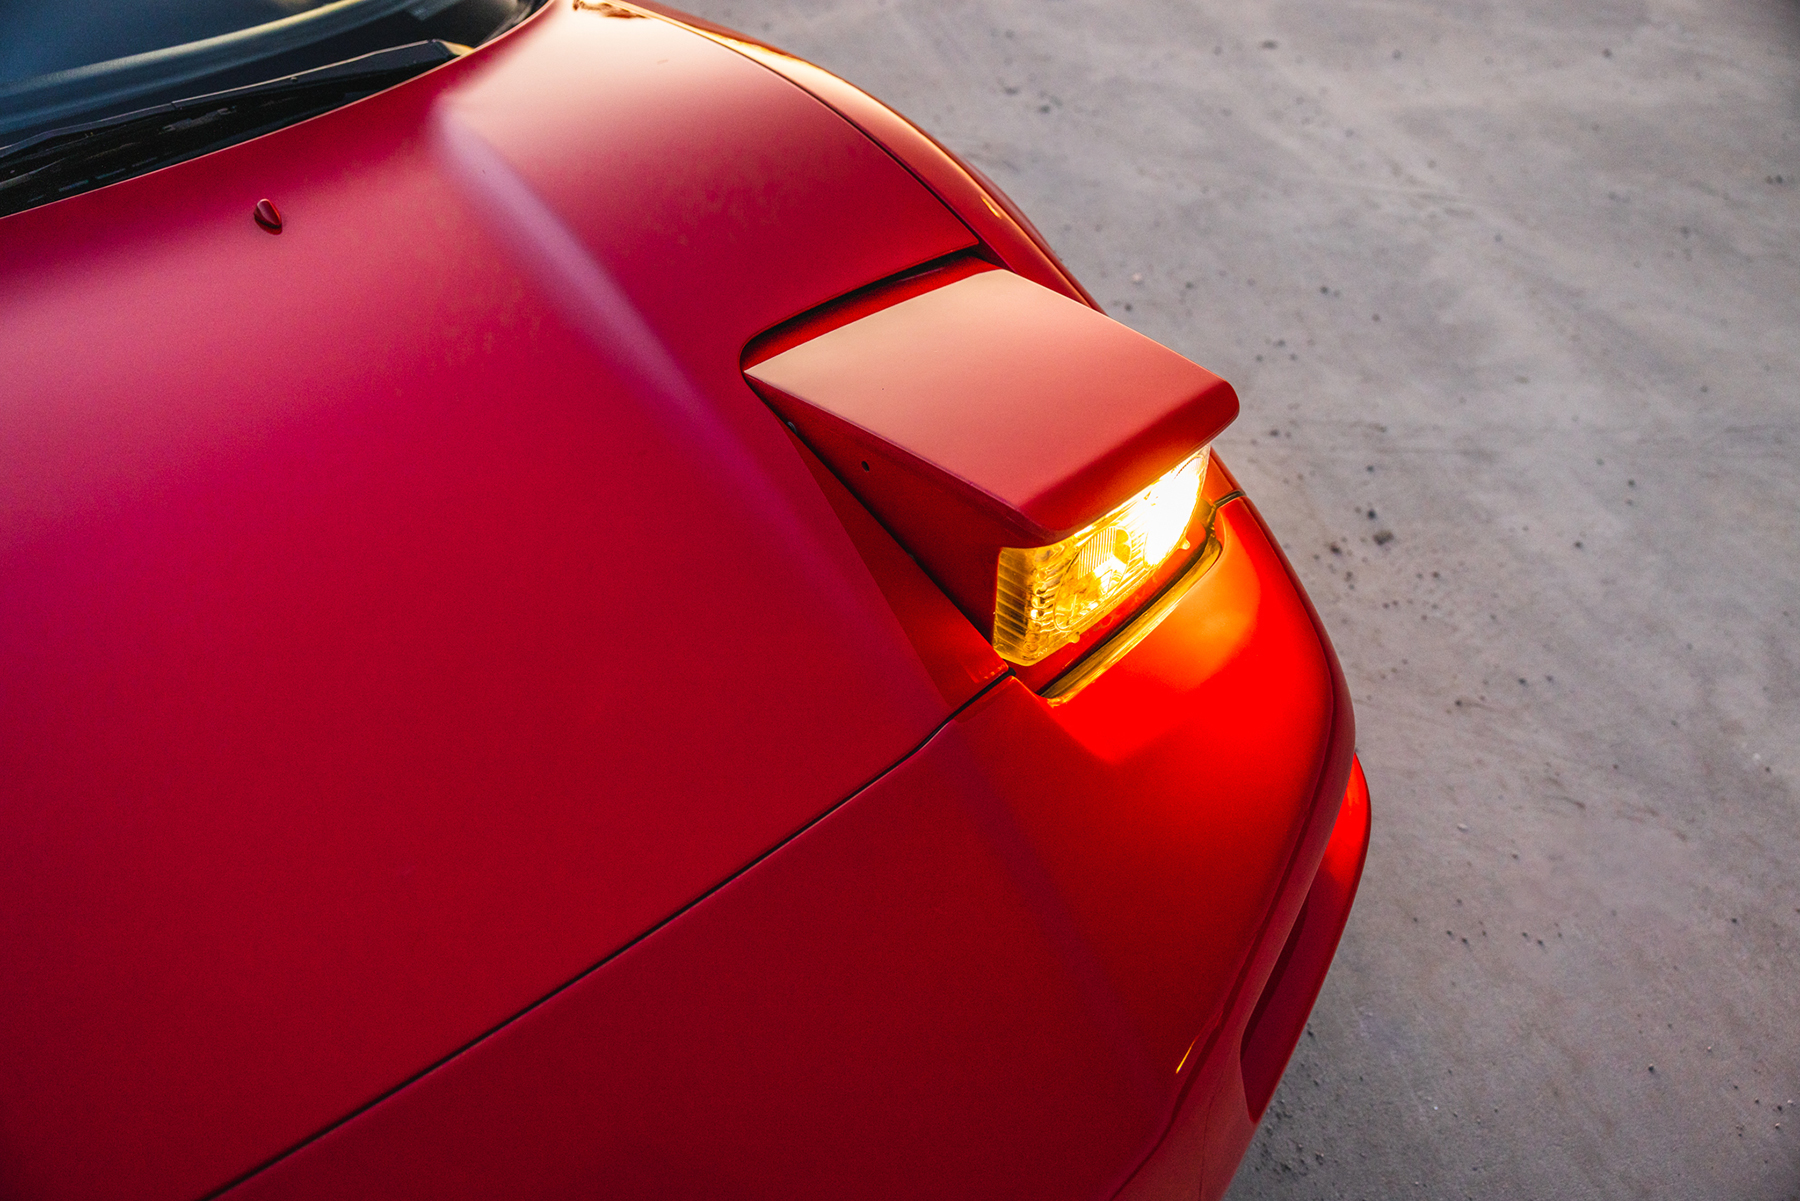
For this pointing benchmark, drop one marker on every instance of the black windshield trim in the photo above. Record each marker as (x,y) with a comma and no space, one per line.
(78,158)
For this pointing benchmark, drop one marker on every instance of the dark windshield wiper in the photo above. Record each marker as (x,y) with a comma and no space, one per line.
(77,158)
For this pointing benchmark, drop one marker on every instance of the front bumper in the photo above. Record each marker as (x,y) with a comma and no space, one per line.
(1229,1091)
(1020,963)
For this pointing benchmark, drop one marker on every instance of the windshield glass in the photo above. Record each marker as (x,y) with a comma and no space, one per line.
(78,61)
(42,38)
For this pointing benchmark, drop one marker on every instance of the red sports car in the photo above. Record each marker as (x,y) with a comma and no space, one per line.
(584,611)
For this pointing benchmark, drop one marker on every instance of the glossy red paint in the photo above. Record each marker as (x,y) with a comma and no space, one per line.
(960,659)
(388,635)
(1280,1015)
(1225,1097)
(1006,233)
(977,978)
(987,412)
(433,681)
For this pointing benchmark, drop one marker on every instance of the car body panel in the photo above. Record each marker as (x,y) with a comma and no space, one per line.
(1003,229)
(457,742)
(978,977)
(1217,1116)
(388,636)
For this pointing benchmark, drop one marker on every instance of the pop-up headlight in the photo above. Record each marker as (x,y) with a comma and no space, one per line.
(1037,458)
(1048,596)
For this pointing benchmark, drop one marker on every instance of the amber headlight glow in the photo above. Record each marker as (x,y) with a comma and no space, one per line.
(1048,596)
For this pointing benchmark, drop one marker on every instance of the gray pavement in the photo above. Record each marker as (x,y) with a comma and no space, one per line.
(1512,297)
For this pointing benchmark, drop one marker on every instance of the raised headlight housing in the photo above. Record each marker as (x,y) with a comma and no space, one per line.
(1044,464)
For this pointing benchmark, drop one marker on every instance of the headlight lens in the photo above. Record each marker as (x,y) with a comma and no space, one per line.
(1048,596)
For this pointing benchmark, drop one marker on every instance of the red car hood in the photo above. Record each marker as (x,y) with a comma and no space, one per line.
(405,611)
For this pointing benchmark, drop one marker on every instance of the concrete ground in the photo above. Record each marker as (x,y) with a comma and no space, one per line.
(1512,297)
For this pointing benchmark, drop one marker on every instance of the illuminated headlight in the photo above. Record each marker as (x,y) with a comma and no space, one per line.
(1048,596)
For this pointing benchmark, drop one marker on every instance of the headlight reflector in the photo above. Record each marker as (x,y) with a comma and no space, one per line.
(1048,596)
